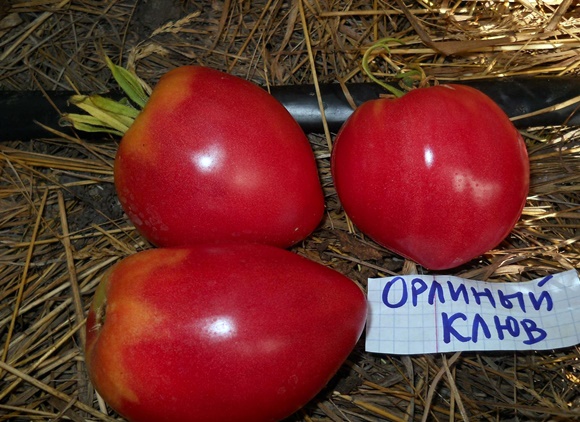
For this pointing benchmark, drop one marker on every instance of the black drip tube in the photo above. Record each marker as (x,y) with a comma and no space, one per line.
(516,96)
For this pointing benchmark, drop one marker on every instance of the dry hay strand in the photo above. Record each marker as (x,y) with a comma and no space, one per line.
(61,226)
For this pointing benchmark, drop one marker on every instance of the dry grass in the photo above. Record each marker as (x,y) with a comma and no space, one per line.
(61,228)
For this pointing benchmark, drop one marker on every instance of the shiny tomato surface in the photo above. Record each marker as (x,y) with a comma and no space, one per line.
(212,158)
(219,333)
(439,175)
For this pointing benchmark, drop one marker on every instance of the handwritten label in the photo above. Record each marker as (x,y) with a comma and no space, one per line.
(429,314)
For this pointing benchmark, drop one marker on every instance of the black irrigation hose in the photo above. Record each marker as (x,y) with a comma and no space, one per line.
(516,96)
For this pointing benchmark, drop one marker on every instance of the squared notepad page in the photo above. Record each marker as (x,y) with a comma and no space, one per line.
(430,314)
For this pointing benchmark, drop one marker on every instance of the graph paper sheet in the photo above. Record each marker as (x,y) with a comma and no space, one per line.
(419,314)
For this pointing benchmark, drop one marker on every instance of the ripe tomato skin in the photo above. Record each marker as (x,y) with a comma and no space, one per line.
(439,175)
(214,158)
(219,333)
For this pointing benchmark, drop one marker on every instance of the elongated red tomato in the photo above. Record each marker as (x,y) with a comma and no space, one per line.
(439,175)
(219,333)
(214,158)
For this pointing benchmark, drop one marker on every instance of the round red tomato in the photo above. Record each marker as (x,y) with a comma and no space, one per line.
(212,158)
(439,175)
(219,333)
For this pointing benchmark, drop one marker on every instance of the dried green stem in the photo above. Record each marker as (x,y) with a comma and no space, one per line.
(107,115)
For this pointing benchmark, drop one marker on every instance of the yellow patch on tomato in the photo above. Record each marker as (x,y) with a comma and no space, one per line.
(142,141)
(128,319)
(126,325)
(138,267)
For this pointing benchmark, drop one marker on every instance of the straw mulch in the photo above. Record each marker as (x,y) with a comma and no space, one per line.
(61,226)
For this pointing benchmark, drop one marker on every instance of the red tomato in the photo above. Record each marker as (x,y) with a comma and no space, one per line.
(439,175)
(219,333)
(212,158)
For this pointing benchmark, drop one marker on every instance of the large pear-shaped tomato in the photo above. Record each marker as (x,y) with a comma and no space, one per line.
(439,175)
(219,333)
(213,157)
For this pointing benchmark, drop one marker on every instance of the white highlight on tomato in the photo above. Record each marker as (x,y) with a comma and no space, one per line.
(429,157)
(207,160)
(221,327)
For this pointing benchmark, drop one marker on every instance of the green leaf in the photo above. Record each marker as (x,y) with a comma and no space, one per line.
(108,119)
(86,123)
(130,83)
(117,107)
(105,114)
